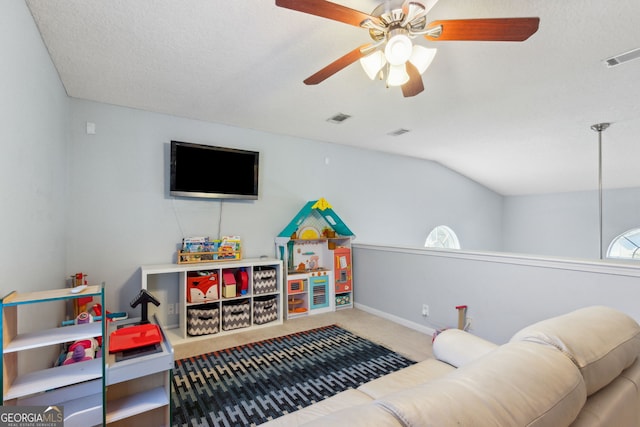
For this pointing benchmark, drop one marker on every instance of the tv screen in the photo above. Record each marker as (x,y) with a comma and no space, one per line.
(199,170)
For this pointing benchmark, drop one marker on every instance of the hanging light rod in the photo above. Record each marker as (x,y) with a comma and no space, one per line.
(599,127)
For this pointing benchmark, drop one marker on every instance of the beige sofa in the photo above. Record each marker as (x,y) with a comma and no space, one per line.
(580,370)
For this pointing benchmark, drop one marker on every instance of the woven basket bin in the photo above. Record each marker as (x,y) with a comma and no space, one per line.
(203,320)
(265,310)
(236,314)
(264,280)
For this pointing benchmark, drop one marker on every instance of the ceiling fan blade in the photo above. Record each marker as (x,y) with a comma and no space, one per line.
(414,86)
(494,29)
(336,65)
(326,9)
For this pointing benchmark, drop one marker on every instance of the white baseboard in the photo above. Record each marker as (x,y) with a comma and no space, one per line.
(404,322)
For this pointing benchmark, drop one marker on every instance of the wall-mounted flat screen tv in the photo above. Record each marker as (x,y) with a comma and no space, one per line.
(199,170)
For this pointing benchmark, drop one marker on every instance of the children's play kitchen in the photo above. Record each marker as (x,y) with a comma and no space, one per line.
(316,249)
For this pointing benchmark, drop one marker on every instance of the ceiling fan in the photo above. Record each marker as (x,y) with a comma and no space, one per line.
(392,25)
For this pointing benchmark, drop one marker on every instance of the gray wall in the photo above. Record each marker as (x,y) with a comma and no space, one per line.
(567,224)
(562,224)
(34,138)
(122,216)
(503,292)
(33,134)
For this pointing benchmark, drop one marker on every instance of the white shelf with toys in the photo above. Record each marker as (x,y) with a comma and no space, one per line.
(139,387)
(203,300)
(78,387)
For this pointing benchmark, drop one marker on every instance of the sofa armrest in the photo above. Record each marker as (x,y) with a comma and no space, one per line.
(601,341)
(457,347)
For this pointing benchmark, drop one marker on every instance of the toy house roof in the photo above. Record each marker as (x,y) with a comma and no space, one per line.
(316,214)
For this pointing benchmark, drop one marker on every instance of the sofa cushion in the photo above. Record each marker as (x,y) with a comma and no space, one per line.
(457,347)
(358,416)
(410,376)
(601,341)
(343,400)
(614,405)
(517,384)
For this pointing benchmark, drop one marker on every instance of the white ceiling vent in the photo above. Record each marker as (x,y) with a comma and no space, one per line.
(338,118)
(399,132)
(623,57)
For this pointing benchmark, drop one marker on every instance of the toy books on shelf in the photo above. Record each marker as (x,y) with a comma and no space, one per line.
(203,249)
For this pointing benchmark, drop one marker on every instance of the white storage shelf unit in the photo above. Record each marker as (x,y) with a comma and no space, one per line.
(169,292)
(78,387)
(139,388)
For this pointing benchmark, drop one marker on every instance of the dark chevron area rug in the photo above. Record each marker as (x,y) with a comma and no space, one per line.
(254,383)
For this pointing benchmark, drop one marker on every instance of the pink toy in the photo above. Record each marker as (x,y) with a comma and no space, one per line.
(81,351)
(84,317)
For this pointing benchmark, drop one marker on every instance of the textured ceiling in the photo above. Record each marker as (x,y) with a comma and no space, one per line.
(515,117)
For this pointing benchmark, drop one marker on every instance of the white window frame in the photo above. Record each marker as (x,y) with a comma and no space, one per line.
(443,237)
(622,247)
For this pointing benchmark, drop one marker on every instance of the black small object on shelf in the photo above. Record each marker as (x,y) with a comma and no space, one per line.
(144,298)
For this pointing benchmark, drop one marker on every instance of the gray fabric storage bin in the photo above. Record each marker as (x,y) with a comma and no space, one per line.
(236,314)
(264,280)
(265,310)
(203,319)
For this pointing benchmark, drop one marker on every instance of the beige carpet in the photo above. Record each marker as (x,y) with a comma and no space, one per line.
(408,342)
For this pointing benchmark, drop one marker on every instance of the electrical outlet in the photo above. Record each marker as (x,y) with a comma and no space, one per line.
(469,323)
(170,308)
(425,310)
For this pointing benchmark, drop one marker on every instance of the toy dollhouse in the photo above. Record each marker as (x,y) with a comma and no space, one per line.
(316,250)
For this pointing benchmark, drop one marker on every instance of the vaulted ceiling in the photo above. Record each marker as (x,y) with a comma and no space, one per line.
(515,117)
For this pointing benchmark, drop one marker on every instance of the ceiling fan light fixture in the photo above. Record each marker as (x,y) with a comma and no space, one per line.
(397,75)
(422,57)
(398,49)
(373,63)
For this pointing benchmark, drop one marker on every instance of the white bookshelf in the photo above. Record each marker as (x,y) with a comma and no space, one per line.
(177,330)
(139,403)
(79,387)
(101,391)
(54,336)
(52,378)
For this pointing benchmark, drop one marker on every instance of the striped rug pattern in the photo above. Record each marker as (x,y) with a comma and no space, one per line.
(254,383)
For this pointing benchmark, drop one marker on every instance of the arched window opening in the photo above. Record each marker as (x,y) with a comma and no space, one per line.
(442,237)
(626,245)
